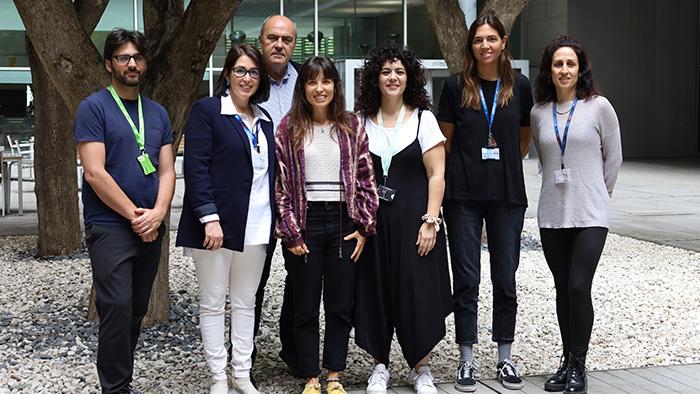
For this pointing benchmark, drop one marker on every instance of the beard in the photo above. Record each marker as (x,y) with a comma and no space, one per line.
(127,81)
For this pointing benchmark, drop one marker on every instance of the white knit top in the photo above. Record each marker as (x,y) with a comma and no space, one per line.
(322,166)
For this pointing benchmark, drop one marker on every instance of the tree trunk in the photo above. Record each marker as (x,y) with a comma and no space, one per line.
(451,29)
(56,185)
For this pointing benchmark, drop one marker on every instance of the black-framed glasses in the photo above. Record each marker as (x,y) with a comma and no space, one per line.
(240,72)
(125,59)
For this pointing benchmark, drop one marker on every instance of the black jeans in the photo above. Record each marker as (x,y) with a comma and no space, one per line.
(572,255)
(123,270)
(323,269)
(504,223)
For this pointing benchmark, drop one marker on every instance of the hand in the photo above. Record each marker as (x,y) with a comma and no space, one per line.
(427,236)
(149,237)
(299,250)
(213,235)
(359,247)
(147,220)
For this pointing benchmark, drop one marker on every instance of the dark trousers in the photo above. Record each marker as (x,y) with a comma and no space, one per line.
(323,269)
(286,335)
(504,223)
(572,255)
(123,270)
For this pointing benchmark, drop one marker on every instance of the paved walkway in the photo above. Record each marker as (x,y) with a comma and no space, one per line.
(667,379)
(655,200)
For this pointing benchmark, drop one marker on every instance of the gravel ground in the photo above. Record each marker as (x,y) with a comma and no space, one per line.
(646,298)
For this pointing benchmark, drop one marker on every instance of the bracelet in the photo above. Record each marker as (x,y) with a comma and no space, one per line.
(430,219)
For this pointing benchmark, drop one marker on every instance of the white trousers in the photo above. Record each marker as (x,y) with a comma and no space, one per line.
(240,273)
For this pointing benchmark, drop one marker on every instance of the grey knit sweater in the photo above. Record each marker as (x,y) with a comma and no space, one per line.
(593,155)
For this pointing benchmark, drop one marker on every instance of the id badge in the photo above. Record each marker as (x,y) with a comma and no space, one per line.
(145,162)
(386,193)
(490,154)
(562,176)
(259,160)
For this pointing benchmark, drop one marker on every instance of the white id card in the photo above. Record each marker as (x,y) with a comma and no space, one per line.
(490,154)
(562,176)
(259,159)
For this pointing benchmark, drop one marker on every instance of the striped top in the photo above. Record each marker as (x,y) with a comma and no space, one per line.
(322,165)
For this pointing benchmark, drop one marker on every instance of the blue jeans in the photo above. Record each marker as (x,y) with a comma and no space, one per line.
(504,223)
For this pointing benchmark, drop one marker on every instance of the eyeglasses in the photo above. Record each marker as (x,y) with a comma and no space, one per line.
(240,72)
(125,59)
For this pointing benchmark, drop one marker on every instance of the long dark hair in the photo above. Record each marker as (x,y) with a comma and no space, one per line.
(369,98)
(300,115)
(545,91)
(470,93)
(236,51)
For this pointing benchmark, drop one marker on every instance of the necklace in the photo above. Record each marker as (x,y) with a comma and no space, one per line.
(562,112)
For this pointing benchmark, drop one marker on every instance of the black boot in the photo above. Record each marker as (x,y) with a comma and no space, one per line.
(576,377)
(557,382)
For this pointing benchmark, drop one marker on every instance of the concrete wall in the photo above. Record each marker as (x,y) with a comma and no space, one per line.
(645,59)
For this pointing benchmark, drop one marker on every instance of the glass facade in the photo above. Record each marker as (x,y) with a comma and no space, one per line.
(347,30)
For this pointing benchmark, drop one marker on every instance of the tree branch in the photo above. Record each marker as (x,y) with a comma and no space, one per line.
(74,67)
(449,26)
(89,13)
(506,10)
(195,37)
(160,18)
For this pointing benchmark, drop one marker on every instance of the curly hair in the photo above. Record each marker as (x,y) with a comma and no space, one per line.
(545,91)
(369,98)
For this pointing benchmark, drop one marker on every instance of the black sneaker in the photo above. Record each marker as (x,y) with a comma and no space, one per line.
(508,375)
(466,376)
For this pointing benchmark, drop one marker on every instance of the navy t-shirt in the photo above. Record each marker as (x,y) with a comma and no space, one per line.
(100,119)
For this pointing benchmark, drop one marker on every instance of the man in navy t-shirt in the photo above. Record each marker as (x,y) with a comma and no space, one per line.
(125,145)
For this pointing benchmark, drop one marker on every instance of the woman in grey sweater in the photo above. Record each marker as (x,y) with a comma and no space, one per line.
(577,136)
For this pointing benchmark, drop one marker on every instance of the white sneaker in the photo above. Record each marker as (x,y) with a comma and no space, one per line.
(378,382)
(218,387)
(423,381)
(243,386)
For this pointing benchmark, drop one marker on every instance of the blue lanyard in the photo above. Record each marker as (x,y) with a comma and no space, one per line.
(489,119)
(253,136)
(560,141)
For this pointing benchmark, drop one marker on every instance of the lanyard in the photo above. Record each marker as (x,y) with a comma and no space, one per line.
(253,136)
(560,141)
(489,119)
(139,134)
(387,149)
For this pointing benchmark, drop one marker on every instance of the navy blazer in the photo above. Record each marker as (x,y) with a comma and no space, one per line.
(219,173)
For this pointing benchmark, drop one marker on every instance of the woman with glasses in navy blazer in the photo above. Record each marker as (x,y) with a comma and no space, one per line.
(228,209)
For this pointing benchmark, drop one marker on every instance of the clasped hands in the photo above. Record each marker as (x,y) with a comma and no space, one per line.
(147,222)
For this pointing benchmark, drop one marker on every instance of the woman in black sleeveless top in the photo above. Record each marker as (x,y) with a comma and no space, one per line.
(403,284)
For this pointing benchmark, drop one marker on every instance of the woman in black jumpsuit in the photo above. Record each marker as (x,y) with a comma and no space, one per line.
(403,284)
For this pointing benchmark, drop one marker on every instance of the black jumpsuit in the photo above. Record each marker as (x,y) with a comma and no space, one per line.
(396,288)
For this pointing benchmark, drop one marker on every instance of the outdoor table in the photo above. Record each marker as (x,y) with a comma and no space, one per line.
(7,161)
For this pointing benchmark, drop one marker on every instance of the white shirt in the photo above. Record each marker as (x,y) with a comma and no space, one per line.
(259,220)
(429,134)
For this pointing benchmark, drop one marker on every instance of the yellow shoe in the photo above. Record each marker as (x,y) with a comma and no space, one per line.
(335,388)
(312,388)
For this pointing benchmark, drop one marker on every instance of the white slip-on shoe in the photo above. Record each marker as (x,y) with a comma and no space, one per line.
(218,387)
(243,386)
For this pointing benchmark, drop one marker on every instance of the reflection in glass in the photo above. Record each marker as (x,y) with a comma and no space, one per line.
(354,27)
